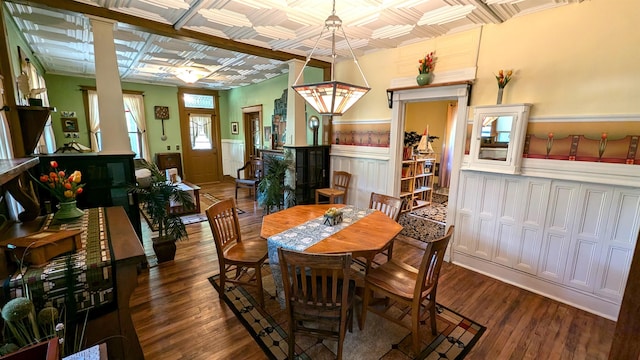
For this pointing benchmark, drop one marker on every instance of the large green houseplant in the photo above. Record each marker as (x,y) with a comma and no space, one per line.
(273,192)
(155,200)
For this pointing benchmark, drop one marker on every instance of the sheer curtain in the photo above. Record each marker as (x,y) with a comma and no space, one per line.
(47,142)
(134,103)
(94,120)
(446,160)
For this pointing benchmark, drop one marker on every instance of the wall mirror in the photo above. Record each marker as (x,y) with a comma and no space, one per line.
(497,137)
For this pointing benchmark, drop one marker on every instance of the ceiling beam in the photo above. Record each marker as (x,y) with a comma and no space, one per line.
(168,30)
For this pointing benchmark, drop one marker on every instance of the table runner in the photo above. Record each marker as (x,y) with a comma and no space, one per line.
(92,268)
(305,235)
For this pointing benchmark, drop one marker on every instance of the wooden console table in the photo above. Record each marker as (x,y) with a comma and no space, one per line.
(114,327)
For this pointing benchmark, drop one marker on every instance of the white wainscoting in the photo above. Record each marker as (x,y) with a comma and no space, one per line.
(572,241)
(369,169)
(232,156)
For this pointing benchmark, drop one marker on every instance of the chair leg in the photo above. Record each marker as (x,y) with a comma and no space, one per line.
(317,197)
(390,251)
(365,304)
(341,341)
(291,339)
(415,327)
(259,285)
(432,314)
(223,278)
(236,193)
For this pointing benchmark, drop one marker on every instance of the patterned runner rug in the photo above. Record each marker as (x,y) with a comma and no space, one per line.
(380,339)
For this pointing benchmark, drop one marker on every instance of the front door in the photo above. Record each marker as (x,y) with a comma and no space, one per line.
(200,134)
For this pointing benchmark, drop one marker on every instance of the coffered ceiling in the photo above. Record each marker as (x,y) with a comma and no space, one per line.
(232,43)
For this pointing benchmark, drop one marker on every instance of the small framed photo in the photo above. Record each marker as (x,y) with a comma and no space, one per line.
(235,130)
(69,124)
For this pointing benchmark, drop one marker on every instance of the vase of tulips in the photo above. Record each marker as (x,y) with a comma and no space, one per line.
(503,79)
(425,69)
(64,187)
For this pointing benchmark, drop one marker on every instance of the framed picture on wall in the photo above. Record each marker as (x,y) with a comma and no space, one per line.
(267,134)
(235,128)
(69,124)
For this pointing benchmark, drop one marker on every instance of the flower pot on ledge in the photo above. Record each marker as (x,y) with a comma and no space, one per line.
(424,79)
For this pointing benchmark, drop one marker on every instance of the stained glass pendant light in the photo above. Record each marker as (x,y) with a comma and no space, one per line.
(331,97)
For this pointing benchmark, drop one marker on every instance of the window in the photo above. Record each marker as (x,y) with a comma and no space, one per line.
(135,136)
(134,118)
(199,101)
(200,129)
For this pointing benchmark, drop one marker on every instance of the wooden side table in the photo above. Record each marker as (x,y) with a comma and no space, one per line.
(187,186)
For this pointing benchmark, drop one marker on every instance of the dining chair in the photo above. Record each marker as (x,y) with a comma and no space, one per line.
(339,189)
(319,295)
(413,288)
(233,253)
(253,171)
(390,206)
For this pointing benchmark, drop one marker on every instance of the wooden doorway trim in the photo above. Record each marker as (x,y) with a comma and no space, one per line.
(247,113)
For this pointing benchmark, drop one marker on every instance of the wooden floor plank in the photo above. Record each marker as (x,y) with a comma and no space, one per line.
(178,314)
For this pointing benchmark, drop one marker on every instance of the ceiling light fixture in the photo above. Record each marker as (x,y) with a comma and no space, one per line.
(331,97)
(188,76)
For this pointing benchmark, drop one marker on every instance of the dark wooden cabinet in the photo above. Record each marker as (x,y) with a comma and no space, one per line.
(311,171)
(168,161)
(107,178)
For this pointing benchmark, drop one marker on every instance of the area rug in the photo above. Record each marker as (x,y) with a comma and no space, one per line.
(380,339)
(206,200)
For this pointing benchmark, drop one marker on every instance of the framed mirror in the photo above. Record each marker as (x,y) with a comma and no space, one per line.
(497,137)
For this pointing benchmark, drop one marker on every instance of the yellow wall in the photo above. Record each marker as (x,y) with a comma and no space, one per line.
(577,59)
(431,114)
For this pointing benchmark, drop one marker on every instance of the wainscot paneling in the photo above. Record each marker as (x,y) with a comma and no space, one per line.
(569,240)
(369,169)
(232,156)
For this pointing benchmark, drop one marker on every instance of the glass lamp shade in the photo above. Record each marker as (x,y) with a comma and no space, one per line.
(188,77)
(331,97)
(314,122)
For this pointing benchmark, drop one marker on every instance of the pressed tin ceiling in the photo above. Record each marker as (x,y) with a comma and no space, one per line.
(62,41)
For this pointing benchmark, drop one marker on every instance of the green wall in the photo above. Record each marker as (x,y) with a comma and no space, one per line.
(65,95)
(263,93)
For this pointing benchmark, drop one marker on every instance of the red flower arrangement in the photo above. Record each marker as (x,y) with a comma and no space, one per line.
(503,79)
(63,187)
(427,63)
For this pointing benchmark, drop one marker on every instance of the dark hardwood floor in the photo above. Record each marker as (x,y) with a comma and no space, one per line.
(178,315)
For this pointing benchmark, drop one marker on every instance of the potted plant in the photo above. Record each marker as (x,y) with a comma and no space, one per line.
(272,190)
(411,140)
(155,200)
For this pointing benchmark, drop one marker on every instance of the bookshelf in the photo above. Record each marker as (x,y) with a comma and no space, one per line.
(416,183)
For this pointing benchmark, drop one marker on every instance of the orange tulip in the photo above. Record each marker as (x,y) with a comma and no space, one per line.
(79,191)
(54,164)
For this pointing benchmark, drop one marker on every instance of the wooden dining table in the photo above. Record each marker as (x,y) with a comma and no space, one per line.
(363,233)
(365,237)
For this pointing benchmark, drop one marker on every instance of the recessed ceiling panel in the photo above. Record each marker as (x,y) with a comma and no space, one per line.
(62,41)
